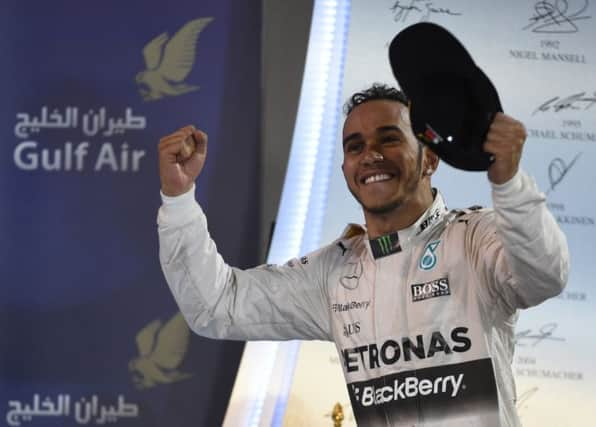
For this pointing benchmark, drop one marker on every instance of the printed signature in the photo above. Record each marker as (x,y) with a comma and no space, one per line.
(555,17)
(557,171)
(545,333)
(572,102)
(422,9)
(523,398)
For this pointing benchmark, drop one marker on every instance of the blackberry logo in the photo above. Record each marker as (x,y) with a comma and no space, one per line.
(409,388)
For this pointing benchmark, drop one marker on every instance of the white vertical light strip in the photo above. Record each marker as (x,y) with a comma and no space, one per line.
(331,87)
(305,188)
(267,357)
(261,390)
(309,161)
(325,79)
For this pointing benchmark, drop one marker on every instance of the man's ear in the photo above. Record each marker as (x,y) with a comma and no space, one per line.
(430,161)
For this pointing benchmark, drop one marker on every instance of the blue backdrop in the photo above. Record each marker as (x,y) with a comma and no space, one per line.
(88,330)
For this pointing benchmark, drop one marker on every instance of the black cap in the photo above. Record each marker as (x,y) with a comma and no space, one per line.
(452,102)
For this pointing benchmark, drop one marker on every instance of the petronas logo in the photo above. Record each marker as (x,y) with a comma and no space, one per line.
(429,257)
(385,244)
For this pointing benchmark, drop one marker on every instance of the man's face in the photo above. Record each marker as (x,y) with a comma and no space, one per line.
(374,129)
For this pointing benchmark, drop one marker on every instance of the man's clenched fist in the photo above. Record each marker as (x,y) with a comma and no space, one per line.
(505,141)
(181,158)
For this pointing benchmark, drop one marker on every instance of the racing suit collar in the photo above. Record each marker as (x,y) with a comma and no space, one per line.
(401,239)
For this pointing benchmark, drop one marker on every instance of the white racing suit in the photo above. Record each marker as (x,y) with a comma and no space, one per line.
(423,318)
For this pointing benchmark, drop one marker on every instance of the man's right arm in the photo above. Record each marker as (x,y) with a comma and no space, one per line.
(217,300)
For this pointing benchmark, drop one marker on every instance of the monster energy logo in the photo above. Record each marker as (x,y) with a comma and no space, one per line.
(385,245)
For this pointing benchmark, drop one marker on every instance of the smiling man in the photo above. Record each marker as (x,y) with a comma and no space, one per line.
(387,170)
(420,301)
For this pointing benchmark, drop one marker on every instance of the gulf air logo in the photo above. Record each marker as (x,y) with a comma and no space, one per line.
(429,257)
(169,61)
(162,349)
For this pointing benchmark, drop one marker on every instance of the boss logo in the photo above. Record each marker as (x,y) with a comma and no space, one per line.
(436,288)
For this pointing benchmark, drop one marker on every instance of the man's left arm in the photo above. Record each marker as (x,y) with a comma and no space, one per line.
(534,246)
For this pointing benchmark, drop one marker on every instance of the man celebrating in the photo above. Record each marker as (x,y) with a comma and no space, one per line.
(421,302)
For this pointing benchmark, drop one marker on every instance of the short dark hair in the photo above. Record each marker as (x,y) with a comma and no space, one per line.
(375,92)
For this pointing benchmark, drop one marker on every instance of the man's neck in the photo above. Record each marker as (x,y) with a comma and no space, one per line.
(399,218)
